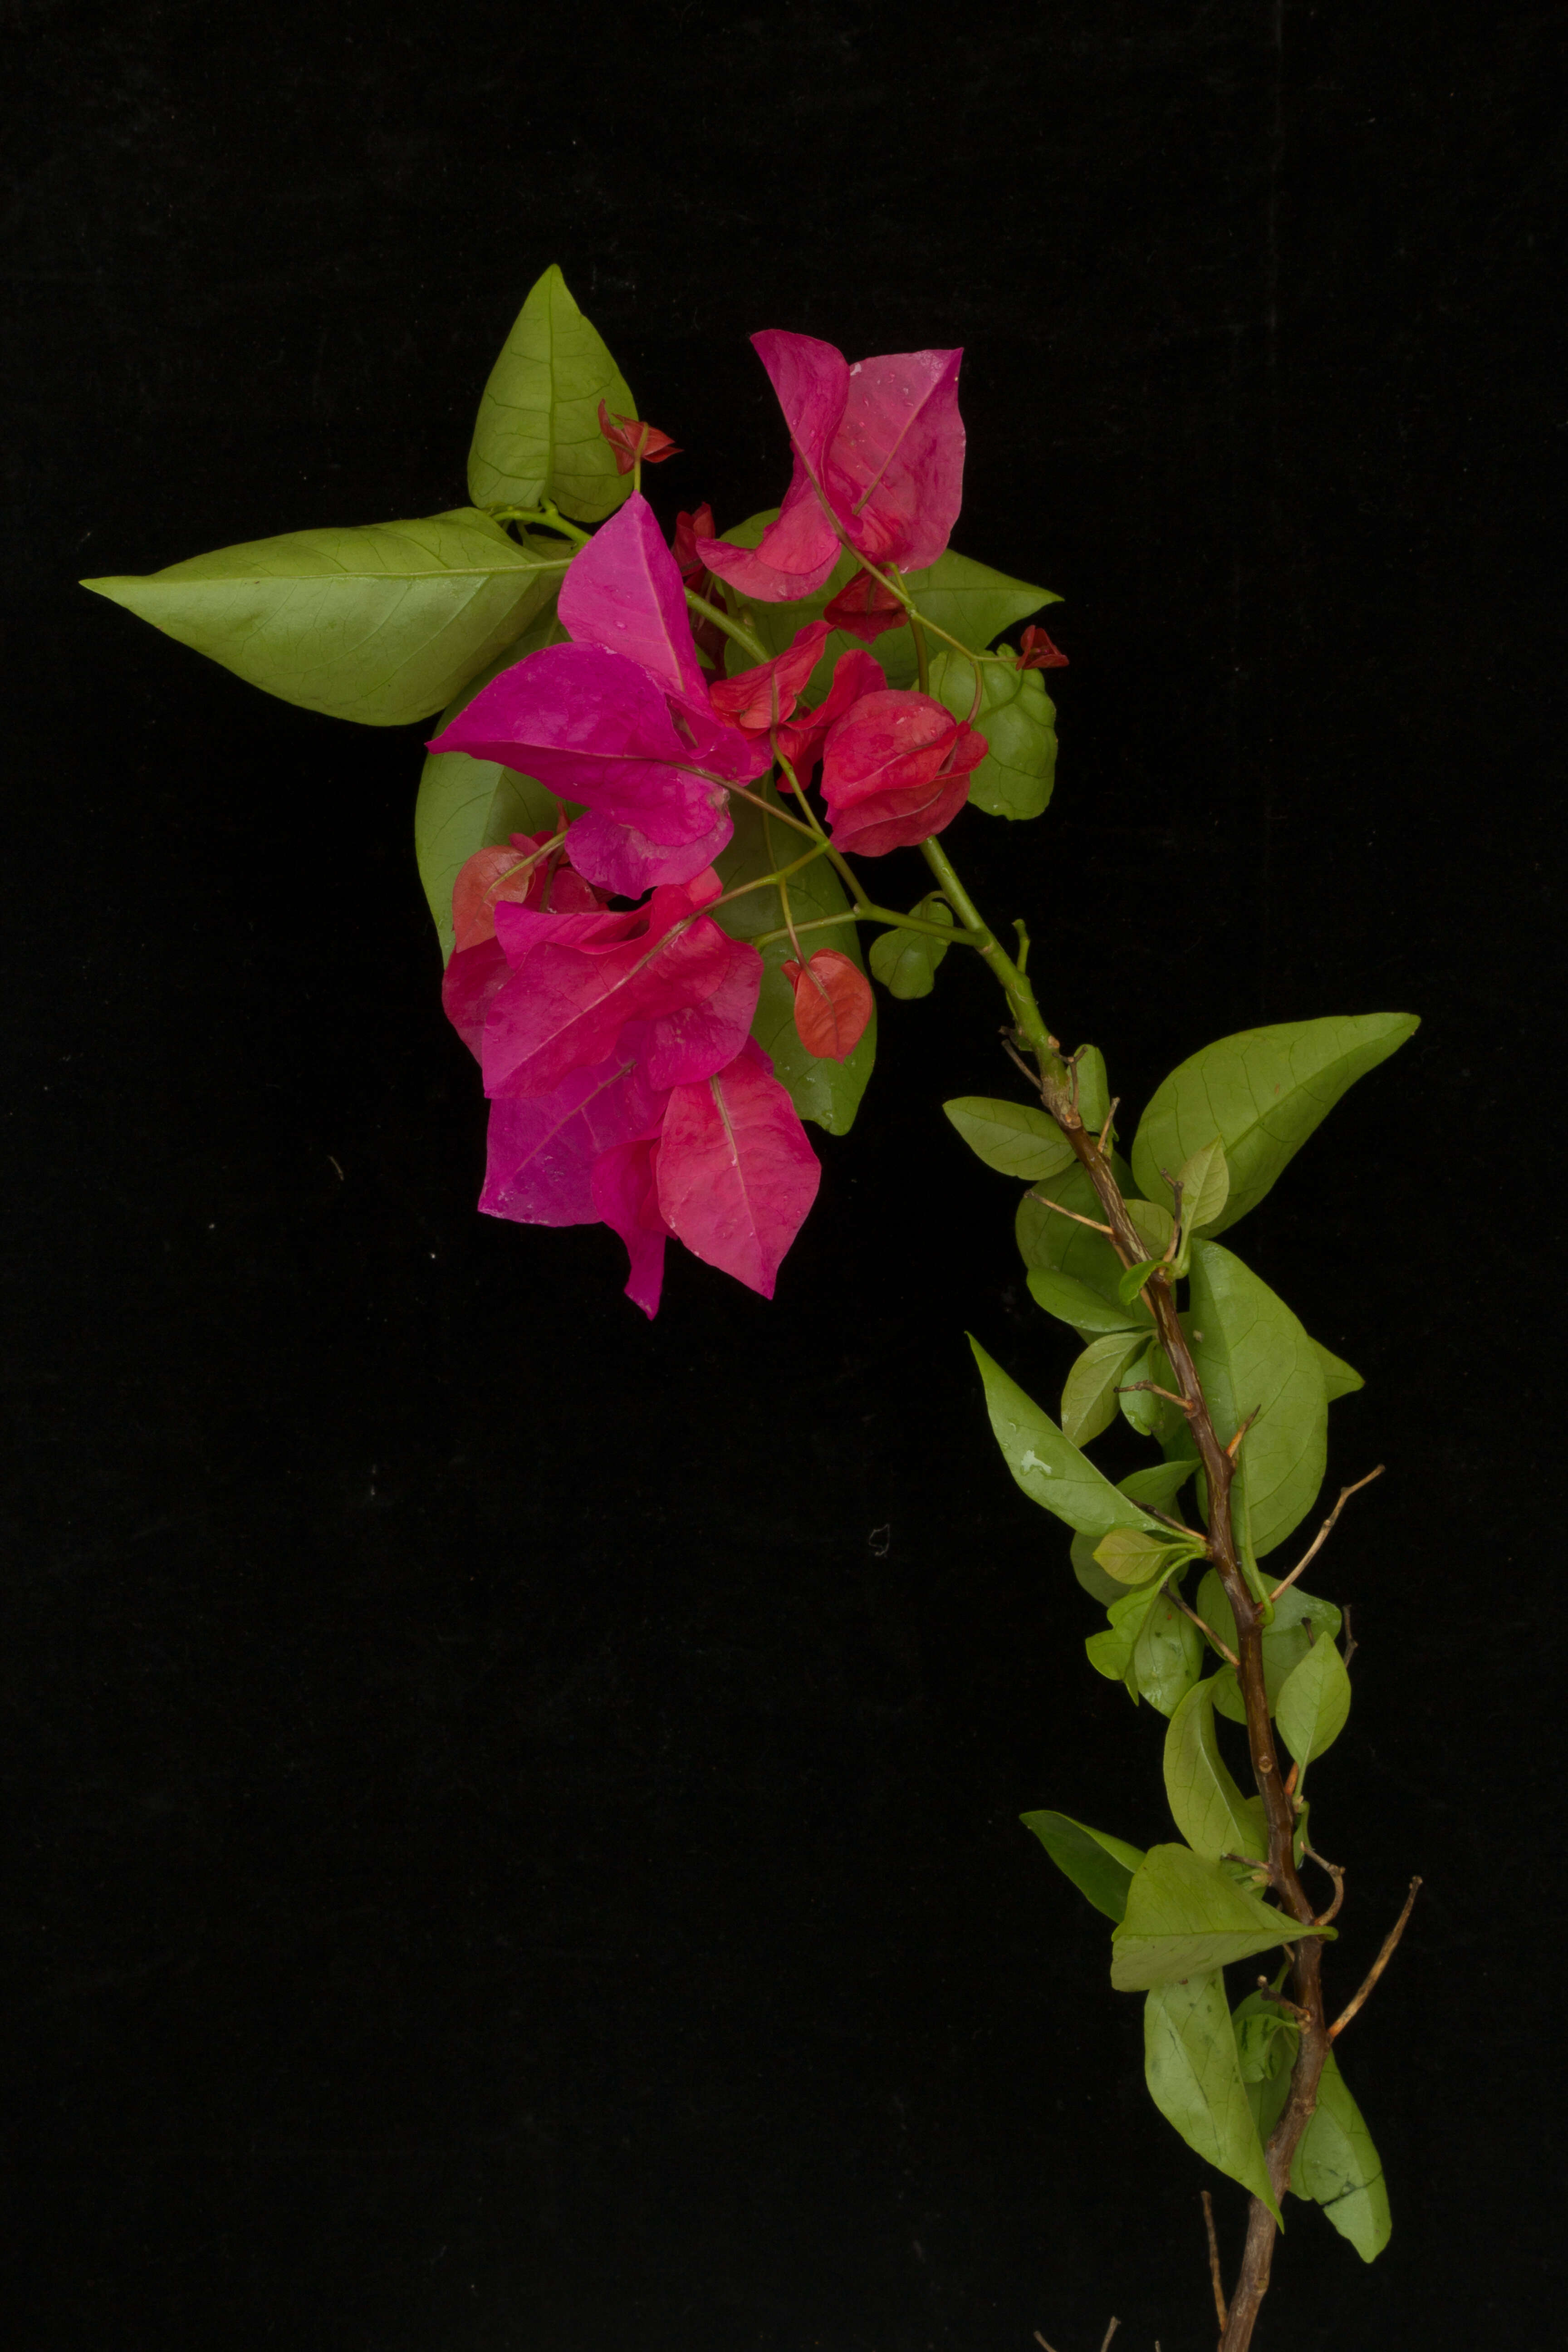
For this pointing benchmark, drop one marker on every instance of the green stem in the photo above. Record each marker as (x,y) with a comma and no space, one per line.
(923,663)
(737,629)
(1020,996)
(543,517)
(742,889)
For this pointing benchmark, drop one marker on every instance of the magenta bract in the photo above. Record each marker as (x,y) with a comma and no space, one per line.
(764,698)
(735,1172)
(879,463)
(895,768)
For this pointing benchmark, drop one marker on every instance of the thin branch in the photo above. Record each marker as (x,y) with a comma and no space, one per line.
(1351,1644)
(1105,2343)
(1389,1943)
(1214,2279)
(1103,1145)
(1337,1875)
(1040,2340)
(1092,1222)
(1152,1386)
(1226,1653)
(1234,1448)
(1325,1532)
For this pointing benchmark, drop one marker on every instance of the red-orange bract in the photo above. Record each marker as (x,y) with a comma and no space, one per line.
(631,440)
(833,1004)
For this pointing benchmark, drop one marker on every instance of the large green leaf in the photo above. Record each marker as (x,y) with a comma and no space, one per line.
(1185,1915)
(1047,1466)
(1253,1356)
(1193,2074)
(969,599)
(1262,1092)
(1018,720)
(537,435)
(1315,1702)
(1088,1399)
(1100,1866)
(1016,1139)
(827,1092)
(465,804)
(1337,2166)
(382,623)
(1206,1806)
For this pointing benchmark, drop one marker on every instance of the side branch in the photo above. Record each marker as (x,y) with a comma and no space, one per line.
(1390,1943)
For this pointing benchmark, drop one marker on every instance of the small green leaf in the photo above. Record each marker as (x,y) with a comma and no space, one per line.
(1298,1617)
(1111,1653)
(1075,1303)
(1154,1225)
(906,961)
(1047,1466)
(1133,1282)
(1206,1806)
(1339,1379)
(1205,1180)
(1100,1866)
(1337,2166)
(382,624)
(1253,1357)
(1263,1091)
(1185,1915)
(1156,1488)
(1315,1702)
(465,804)
(537,435)
(1015,1138)
(1150,1414)
(1131,1555)
(1017,718)
(1194,2074)
(827,1092)
(1167,1656)
(1091,1087)
(1266,2041)
(1088,1399)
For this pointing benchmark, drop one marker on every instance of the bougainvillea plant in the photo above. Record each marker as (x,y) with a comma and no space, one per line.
(647,824)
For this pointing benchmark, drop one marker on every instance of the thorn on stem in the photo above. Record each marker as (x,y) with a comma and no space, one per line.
(1389,1944)
(1215,2278)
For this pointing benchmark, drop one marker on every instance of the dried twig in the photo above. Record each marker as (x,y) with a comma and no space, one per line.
(1092,1222)
(1105,2345)
(1378,1965)
(1337,1875)
(1214,2279)
(1325,1532)
(1040,2340)
(1127,1387)
(1227,1653)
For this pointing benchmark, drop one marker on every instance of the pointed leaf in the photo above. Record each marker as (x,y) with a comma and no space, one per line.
(1089,1400)
(1205,1180)
(1167,1656)
(1131,1555)
(1206,1806)
(828,1093)
(1154,1225)
(1100,1866)
(1339,1379)
(1075,1303)
(1263,1091)
(1015,1138)
(1315,1702)
(1185,1915)
(537,435)
(1047,1466)
(1253,1357)
(906,961)
(1298,1617)
(1156,1488)
(1337,2166)
(1193,2074)
(1017,718)
(382,624)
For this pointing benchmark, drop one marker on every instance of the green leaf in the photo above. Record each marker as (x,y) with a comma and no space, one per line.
(1154,1225)
(1266,2041)
(1058,1245)
(537,435)
(1091,1087)
(1339,1379)
(1100,1866)
(1193,2074)
(1015,1138)
(1131,1555)
(1151,1415)
(906,961)
(1156,1488)
(1284,1643)
(1075,1303)
(1047,1466)
(1167,1656)
(1017,718)
(1263,1091)
(1337,2166)
(1134,1281)
(1252,1355)
(1205,1180)
(1111,1652)
(465,804)
(382,623)
(1206,1806)
(827,1092)
(1088,1399)
(1185,1915)
(1315,1702)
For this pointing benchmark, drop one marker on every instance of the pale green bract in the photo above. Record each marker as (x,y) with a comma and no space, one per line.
(1262,1092)
(382,623)
(537,435)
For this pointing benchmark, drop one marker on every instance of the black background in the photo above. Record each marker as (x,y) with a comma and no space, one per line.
(503,1856)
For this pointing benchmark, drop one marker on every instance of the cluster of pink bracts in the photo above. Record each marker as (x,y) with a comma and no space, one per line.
(623,1082)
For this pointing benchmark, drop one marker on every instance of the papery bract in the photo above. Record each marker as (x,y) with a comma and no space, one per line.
(895,769)
(865,609)
(878,462)
(833,1004)
(762,698)
(1036,651)
(801,739)
(633,441)
(736,1174)
(542,1148)
(625,1197)
(707,636)
(531,868)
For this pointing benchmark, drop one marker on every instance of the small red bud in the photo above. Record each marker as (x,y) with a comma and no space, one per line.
(633,441)
(1037,652)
